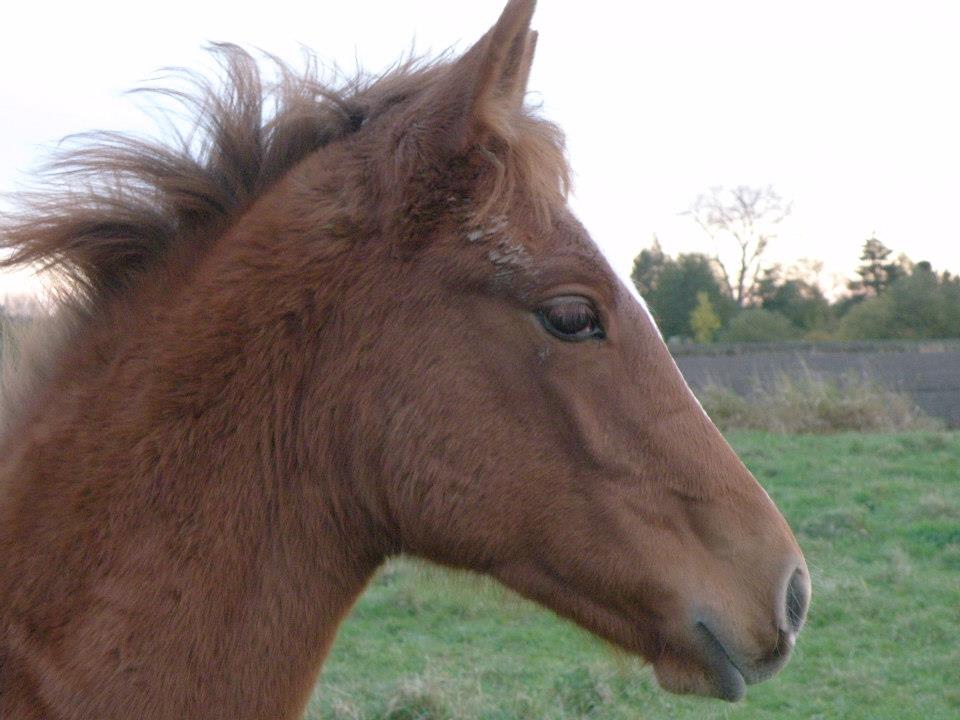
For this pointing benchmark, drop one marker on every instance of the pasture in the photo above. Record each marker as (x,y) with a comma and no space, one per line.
(878,517)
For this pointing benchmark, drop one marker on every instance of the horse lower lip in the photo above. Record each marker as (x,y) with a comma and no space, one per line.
(731,684)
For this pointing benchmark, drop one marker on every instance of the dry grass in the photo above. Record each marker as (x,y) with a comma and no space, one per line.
(812,404)
(417,698)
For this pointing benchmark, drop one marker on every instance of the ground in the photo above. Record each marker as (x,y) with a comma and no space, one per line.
(878,517)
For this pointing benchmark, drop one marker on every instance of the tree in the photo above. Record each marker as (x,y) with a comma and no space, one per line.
(917,304)
(918,308)
(703,320)
(670,286)
(748,216)
(647,266)
(799,300)
(875,271)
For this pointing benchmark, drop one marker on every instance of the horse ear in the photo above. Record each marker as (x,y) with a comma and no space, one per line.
(523,77)
(492,76)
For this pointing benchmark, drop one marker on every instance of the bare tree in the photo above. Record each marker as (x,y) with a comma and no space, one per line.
(749,217)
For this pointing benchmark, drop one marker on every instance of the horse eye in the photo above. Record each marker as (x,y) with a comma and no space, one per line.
(571,318)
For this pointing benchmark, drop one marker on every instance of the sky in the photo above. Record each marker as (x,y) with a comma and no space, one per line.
(849,109)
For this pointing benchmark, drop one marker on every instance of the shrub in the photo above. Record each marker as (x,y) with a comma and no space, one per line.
(870,319)
(758,325)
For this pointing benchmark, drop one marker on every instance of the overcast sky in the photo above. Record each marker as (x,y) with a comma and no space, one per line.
(850,109)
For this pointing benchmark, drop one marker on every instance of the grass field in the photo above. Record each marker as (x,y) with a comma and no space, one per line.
(878,517)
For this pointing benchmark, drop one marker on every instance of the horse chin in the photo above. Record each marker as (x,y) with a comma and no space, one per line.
(694,663)
(717,677)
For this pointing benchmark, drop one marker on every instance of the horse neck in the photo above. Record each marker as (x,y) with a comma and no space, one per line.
(182,491)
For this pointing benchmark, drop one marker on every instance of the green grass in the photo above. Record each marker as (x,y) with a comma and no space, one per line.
(878,517)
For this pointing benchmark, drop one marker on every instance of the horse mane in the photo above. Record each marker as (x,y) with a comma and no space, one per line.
(117,203)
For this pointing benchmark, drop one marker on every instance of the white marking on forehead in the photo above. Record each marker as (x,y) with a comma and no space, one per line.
(497,224)
(506,254)
(508,257)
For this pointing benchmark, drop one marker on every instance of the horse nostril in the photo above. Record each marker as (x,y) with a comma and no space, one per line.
(797,599)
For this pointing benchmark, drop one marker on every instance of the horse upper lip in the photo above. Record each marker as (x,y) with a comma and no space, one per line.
(731,681)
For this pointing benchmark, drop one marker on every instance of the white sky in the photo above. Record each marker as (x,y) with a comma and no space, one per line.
(849,108)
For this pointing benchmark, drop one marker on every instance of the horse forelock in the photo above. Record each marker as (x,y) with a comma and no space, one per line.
(112,205)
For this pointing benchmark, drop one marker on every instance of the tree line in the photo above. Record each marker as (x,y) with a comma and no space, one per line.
(702,298)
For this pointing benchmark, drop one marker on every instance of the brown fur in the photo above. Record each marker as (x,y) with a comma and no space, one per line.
(304,339)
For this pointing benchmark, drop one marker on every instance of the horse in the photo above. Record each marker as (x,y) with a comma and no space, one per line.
(327,326)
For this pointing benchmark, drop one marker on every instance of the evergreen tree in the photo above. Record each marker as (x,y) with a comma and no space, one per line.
(876,272)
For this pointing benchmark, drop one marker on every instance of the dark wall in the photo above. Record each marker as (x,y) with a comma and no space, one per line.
(929,371)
